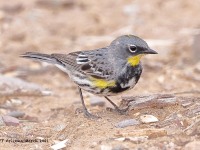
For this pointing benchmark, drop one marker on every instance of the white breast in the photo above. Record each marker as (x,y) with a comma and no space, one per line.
(130,84)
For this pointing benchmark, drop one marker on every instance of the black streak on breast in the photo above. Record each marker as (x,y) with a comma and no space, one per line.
(131,72)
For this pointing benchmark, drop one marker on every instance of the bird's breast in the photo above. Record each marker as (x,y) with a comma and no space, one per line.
(127,79)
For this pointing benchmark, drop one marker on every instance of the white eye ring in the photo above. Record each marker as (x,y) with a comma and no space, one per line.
(132,48)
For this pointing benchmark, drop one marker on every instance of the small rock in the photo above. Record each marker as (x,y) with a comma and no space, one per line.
(12,102)
(131,9)
(27,127)
(16,114)
(196,47)
(59,127)
(2,123)
(138,139)
(170,145)
(148,119)
(59,144)
(121,139)
(10,121)
(16,101)
(46,92)
(93,145)
(126,123)
(192,145)
(97,101)
(55,3)
(12,86)
(161,79)
(135,139)
(62,137)
(13,8)
(106,147)
(119,147)
(186,104)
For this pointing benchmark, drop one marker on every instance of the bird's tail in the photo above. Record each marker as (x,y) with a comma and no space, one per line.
(40,57)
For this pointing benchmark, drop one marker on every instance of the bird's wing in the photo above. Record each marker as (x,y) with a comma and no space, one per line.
(67,60)
(87,62)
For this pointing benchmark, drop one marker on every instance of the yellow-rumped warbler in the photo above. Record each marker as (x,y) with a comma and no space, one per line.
(104,71)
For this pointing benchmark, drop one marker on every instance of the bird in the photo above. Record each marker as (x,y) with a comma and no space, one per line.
(106,71)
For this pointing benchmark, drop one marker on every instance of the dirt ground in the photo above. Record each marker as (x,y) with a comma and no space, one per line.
(47,113)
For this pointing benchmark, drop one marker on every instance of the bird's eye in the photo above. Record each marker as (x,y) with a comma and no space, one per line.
(132,48)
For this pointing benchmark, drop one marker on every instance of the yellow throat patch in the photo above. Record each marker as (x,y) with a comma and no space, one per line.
(102,84)
(134,60)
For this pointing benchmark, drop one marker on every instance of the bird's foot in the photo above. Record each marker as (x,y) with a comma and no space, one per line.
(87,114)
(118,110)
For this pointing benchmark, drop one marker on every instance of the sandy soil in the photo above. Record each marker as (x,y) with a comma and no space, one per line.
(65,26)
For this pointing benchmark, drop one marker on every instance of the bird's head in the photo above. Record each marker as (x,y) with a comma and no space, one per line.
(131,48)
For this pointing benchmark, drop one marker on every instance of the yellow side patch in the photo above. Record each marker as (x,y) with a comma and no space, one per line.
(102,84)
(134,60)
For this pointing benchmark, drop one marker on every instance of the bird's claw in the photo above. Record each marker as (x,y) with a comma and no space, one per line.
(118,110)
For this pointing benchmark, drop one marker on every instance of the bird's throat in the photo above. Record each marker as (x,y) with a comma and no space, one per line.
(134,60)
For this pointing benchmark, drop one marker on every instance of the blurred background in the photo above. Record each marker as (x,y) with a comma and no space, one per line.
(63,26)
(170,27)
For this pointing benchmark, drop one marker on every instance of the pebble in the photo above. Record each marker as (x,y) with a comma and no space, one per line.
(126,123)
(46,93)
(16,102)
(12,8)
(105,147)
(59,144)
(12,86)
(2,123)
(161,79)
(10,121)
(93,145)
(97,101)
(119,147)
(196,47)
(16,114)
(186,104)
(134,139)
(148,119)
(59,127)
(55,3)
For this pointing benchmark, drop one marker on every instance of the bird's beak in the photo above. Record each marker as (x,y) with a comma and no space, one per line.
(149,51)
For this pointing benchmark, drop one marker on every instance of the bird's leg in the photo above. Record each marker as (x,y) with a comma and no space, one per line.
(85,111)
(120,111)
